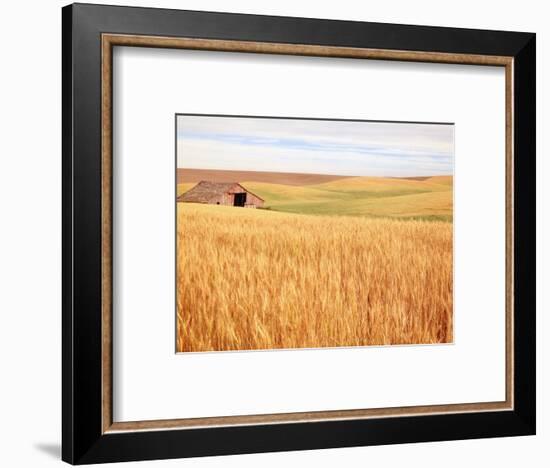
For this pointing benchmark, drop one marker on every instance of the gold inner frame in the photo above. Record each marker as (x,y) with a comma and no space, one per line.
(108,41)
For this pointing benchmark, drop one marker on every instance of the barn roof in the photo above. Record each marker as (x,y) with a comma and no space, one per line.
(206,191)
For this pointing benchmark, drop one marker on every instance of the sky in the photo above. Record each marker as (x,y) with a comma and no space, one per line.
(386,149)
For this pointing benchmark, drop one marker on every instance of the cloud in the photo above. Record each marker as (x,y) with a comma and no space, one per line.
(314,146)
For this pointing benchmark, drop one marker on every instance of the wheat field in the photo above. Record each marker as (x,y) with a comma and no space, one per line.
(259,279)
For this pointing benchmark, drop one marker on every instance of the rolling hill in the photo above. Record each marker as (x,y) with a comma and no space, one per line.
(429,198)
(284,178)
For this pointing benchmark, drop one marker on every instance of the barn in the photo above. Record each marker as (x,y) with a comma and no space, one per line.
(221,193)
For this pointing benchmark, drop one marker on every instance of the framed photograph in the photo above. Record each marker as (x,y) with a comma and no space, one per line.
(348,230)
(289,233)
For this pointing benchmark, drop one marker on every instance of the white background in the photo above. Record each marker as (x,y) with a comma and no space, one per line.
(152,382)
(30,246)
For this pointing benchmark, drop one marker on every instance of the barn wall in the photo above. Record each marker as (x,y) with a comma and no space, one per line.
(252,199)
(230,195)
(228,198)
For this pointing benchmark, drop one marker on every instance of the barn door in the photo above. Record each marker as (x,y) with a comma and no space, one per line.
(240,199)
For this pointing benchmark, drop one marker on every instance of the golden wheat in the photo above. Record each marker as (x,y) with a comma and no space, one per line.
(254,279)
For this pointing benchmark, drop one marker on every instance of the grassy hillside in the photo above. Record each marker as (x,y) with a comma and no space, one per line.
(431,198)
(283,178)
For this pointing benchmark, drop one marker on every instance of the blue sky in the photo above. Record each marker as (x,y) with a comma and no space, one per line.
(315,146)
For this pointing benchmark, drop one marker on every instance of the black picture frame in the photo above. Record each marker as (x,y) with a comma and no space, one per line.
(84,440)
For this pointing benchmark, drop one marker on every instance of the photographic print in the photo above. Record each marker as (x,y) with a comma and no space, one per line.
(312,233)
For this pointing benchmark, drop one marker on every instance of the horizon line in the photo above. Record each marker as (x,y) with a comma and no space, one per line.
(318,173)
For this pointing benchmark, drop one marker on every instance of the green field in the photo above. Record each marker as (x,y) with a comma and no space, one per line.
(427,199)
